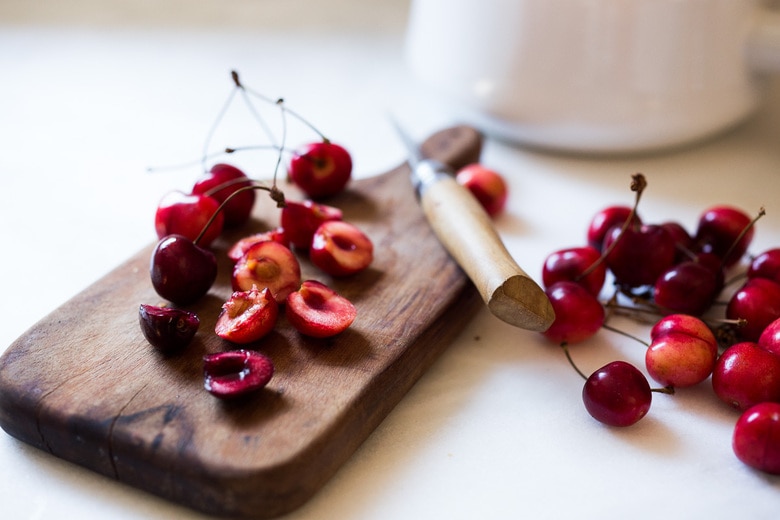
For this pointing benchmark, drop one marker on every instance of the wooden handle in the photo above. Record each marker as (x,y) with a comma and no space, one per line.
(467,232)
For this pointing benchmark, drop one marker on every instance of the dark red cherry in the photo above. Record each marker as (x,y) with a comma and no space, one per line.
(605,220)
(689,287)
(756,440)
(757,302)
(167,329)
(640,254)
(718,230)
(578,314)
(745,375)
(617,394)
(181,214)
(181,271)
(766,265)
(571,264)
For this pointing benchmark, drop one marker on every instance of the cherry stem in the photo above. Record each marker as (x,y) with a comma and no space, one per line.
(669,390)
(215,124)
(624,333)
(565,348)
(761,213)
(638,185)
(275,193)
(279,102)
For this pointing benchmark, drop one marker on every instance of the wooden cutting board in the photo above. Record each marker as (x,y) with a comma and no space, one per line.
(84,385)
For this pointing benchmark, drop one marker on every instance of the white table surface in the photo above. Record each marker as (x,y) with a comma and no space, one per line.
(92,93)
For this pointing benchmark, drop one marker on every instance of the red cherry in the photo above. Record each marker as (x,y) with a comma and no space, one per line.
(682,239)
(300,220)
(689,287)
(247,316)
(770,337)
(571,263)
(617,394)
(181,271)
(756,439)
(321,169)
(268,264)
(746,374)
(682,352)
(604,221)
(640,254)
(757,302)
(187,215)
(236,373)
(718,230)
(339,248)
(239,208)
(486,185)
(317,310)
(578,314)
(766,265)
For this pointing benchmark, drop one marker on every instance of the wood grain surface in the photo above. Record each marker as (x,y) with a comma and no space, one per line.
(84,385)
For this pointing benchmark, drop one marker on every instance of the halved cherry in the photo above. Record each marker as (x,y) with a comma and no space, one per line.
(167,329)
(321,169)
(268,264)
(317,310)
(236,372)
(240,248)
(301,219)
(340,248)
(247,316)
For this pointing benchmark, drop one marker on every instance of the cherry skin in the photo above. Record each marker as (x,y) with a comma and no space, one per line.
(247,316)
(603,221)
(321,169)
(239,208)
(578,313)
(766,265)
(339,248)
(682,351)
(318,311)
(187,215)
(689,287)
(617,394)
(238,249)
(486,185)
(718,230)
(757,302)
(756,439)
(682,239)
(167,329)
(182,271)
(640,254)
(571,264)
(235,373)
(770,337)
(745,375)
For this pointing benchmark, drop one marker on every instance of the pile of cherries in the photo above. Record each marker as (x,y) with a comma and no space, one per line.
(266,276)
(677,281)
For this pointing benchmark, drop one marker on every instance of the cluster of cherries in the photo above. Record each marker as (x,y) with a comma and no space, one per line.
(266,277)
(675,280)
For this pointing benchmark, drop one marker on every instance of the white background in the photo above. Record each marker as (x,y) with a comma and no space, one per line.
(92,93)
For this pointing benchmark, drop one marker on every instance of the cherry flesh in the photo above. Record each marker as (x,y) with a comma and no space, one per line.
(167,329)
(300,220)
(757,302)
(236,373)
(221,182)
(182,271)
(578,314)
(756,439)
(617,394)
(572,264)
(339,248)
(321,169)
(247,316)
(181,214)
(318,311)
(487,186)
(745,375)
(268,264)
(682,351)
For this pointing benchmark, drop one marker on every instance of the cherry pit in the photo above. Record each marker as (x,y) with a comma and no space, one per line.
(714,310)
